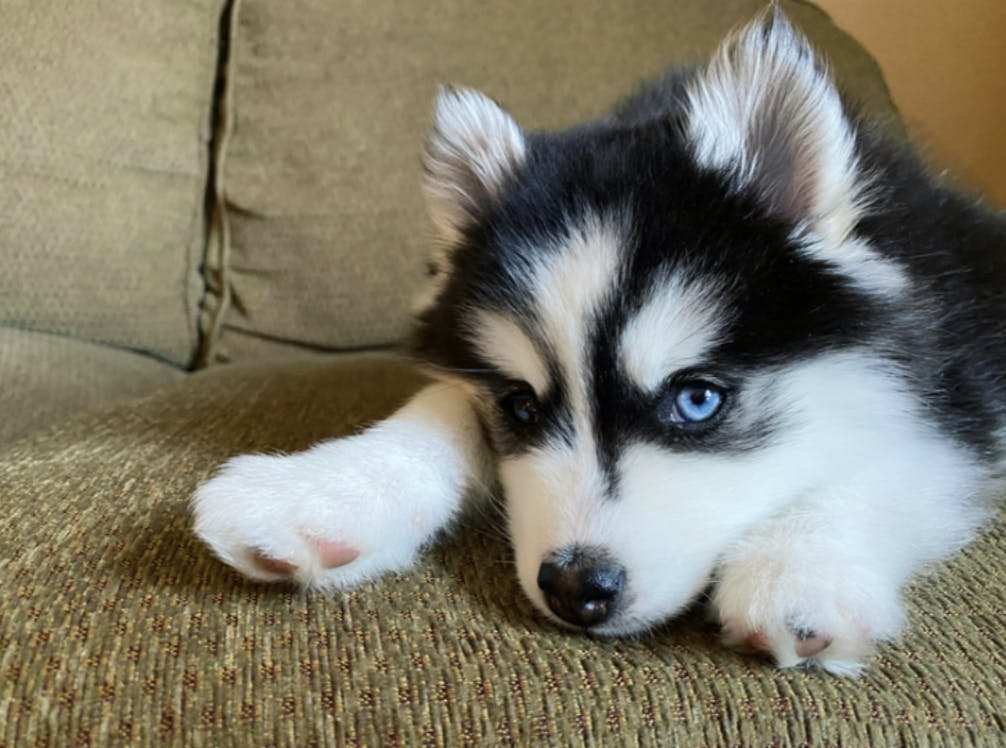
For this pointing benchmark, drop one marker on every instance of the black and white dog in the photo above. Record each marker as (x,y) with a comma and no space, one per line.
(726,335)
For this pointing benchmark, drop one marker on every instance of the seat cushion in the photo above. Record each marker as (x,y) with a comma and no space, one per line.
(104,144)
(323,235)
(119,627)
(46,378)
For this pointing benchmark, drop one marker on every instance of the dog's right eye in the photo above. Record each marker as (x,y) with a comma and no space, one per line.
(522,406)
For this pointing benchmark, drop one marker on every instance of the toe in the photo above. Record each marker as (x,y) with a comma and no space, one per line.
(271,565)
(756,642)
(810,643)
(333,554)
(751,642)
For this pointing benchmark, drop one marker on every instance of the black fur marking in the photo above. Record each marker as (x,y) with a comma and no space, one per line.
(950,337)
(946,336)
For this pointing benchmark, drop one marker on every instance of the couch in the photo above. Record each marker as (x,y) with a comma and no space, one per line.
(211,230)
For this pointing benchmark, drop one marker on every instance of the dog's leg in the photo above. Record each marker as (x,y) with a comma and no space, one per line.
(348,509)
(803,590)
(820,583)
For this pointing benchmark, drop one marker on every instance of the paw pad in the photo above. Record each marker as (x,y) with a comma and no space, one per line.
(755,643)
(809,643)
(271,565)
(333,554)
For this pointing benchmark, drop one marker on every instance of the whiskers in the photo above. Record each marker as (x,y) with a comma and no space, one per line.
(487,518)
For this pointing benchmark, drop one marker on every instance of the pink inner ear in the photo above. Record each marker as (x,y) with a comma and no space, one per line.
(766,112)
(472,148)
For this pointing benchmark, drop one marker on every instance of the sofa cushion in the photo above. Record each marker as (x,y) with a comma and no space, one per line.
(46,378)
(118,627)
(323,237)
(104,129)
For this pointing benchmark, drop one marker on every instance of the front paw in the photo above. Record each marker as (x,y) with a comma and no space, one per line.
(328,518)
(804,610)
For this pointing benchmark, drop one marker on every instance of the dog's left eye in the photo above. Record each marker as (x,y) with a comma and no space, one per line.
(695,402)
(522,406)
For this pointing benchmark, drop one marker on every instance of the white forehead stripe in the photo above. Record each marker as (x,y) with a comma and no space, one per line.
(674,329)
(501,342)
(570,287)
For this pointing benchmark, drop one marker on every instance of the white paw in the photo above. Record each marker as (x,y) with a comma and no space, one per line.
(330,517)
(804,608)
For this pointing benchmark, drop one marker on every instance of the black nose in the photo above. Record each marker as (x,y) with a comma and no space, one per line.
(581,587)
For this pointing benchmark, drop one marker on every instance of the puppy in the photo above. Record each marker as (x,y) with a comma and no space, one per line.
(727,335)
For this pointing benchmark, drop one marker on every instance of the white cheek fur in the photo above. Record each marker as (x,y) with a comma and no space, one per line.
(859,463)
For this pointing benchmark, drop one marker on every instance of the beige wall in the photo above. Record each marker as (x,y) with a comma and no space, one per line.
(945,62)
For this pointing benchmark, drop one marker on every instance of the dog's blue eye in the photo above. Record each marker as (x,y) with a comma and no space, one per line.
(698,401)
(522,406)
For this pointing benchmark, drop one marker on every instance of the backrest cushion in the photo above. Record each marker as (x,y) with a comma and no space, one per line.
(104,130)
(323,239)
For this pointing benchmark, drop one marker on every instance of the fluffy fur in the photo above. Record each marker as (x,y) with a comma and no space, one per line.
(732,228)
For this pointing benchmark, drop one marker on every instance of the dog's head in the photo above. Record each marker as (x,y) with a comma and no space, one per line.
(658,315)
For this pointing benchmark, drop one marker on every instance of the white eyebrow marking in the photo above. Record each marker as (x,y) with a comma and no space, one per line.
(502,343)
(676,326)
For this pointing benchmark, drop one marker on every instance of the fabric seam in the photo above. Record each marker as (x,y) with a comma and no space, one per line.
(216,283)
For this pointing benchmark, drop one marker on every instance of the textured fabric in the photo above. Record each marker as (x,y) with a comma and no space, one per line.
(46,378)
(323,235)
(118,628)
(104,120)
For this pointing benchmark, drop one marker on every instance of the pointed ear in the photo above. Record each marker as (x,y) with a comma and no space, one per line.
(473,148)
(766,112)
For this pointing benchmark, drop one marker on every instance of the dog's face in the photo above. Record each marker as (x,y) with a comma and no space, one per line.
(658,316)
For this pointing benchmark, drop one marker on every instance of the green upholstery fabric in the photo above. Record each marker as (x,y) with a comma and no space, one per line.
(323,238)
(45,378)
(104,128)
(118,628)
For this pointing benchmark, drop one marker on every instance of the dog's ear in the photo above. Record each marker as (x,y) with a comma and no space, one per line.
(473,148)
(765,112)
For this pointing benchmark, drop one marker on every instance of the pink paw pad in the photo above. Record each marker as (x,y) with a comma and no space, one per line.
(272,565)
(755,643)
(332,553)
(810,643)
(807,643)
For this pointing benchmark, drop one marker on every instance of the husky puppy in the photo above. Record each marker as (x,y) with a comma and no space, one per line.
(726,336)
